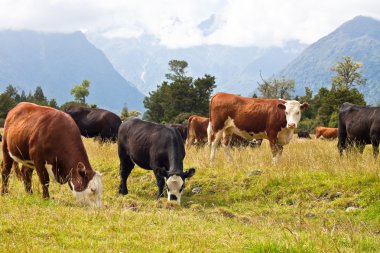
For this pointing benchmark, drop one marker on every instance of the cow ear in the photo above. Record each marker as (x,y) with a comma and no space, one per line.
(304,106)
(189,173)
(281,106)
(81,169)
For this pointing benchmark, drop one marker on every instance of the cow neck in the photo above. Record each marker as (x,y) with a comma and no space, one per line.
(74,156)
(175,159)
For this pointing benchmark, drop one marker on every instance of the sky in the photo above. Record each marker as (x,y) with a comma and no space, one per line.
(186,23)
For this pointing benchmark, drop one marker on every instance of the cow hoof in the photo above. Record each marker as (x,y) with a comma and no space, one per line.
(123,192)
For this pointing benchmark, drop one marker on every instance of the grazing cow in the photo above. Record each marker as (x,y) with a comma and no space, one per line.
(326,132)
(358,126)
(153,147)
(303,134)
(94,122)
(182,128)
(237,141)
(272,119)
(196,130)
(49,141)
(199,132)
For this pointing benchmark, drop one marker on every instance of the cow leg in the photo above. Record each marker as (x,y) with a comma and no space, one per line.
(126,166)
(226,141)
(375,145)
(5,168)
(189,141)
(209,134)
(44,178)
(215,143)
(360,147)
(160,183)
(27,178)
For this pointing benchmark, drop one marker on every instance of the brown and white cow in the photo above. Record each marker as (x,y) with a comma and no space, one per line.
(49,141)
(326,132)
(272,119)
(196,130)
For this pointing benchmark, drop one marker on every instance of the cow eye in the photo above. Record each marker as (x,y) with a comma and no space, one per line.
(298,113)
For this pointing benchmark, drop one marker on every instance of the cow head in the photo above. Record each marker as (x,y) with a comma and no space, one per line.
(176,183)
(292,110)
(86,186)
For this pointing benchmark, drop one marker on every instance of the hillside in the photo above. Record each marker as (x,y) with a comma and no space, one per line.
(237,69)
(358,38)
(57,62)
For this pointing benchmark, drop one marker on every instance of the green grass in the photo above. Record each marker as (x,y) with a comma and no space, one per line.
(281,210)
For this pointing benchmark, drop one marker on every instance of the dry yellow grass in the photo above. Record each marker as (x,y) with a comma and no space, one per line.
(250,204)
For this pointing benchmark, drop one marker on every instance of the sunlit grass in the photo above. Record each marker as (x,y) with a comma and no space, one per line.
(250,204)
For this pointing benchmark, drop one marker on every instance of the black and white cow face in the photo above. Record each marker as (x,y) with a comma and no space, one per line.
(175,185)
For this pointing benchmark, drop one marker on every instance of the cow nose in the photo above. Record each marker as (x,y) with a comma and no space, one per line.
(291,125)
(173,197)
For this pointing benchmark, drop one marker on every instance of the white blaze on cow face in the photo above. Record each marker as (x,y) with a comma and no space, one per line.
(91,196)
(174,188)
(293,110)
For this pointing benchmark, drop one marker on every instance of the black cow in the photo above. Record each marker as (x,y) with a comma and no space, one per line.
(182,128)
(153,147)
(358,126)
(1,138)
(303,134)
(94,122)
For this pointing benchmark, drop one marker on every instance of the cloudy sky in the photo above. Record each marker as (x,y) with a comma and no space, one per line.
(184,23)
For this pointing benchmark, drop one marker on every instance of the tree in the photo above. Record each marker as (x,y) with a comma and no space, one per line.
(81,91)
(124,113)
(276,88)
(179,94)
(347,74)
(39,96)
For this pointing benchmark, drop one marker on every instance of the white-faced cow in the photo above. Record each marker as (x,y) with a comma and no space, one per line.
(153,147)
(358,126)
(94,122)
(49,141)
(272,119)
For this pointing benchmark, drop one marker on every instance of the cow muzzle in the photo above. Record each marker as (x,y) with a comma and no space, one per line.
(292,125)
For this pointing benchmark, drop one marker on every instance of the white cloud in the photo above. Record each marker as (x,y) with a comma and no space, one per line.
(175,22)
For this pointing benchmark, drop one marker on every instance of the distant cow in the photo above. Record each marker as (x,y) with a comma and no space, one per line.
(182,128)
(272,119)
(196,130)
(48,140)
(94,122)
(358,126)
(326,132)
(153,147)
(303,134)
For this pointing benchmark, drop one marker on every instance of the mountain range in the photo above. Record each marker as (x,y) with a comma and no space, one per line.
(56,62)
(358,38)
(125,70)
(237,69)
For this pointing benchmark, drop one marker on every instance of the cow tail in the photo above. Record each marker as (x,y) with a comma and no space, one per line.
(188,125)
(17,170)
(342,135)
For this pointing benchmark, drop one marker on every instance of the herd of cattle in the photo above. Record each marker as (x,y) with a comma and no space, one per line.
(49,141)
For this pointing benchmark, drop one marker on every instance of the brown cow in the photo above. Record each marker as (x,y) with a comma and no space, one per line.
(199,132)
(49,141)
(272,119)
(196,130)
(326,132)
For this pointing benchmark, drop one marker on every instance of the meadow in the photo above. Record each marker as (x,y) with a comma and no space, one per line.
(310,201)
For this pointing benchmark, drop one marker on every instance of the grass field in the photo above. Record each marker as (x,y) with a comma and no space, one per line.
(249,205)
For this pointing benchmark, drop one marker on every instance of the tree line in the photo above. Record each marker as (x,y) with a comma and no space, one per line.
(181,95)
